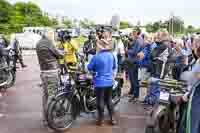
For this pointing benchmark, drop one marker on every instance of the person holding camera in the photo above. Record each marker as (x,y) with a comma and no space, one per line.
(133,56)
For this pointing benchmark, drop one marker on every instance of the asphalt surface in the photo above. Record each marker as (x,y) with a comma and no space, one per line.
(20,108)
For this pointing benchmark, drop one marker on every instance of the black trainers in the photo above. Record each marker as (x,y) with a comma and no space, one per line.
(23,66)
(113,122)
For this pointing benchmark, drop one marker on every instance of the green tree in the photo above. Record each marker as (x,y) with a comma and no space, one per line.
(149,28)
(54,21)
(124,24)
(175,25)
(86,23)
(68,23)
(156,26)
(5,11)
(153,27)
(190,29)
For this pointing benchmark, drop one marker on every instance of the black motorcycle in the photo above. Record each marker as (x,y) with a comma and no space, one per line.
(7,68)
(164,116)
(79,97)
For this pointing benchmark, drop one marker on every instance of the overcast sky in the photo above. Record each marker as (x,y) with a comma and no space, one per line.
(131,10)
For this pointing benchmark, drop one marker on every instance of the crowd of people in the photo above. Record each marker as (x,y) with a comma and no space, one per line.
(136,57)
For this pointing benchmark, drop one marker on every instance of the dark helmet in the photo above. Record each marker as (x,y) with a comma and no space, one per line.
(92,32)
(67,36)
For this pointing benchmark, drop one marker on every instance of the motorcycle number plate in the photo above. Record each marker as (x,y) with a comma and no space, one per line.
(65,78)
(164,96)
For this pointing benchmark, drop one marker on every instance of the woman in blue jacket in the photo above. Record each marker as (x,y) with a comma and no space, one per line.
(103,64)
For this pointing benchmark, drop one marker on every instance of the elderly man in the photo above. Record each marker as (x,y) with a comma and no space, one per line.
(48,57)
(181,59)
(158,58)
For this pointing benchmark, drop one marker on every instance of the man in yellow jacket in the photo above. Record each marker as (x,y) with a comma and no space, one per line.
(70,48)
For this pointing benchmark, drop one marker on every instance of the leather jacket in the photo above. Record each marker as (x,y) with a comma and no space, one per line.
(48,54)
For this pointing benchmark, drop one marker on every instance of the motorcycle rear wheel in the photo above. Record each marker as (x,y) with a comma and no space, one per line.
(11,79)
(149,130)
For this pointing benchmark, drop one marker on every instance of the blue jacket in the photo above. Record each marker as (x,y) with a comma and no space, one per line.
(103,64)
(135,48)
(146,61)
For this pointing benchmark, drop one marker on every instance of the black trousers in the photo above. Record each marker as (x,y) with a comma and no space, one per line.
(133,77)
(104,97)
(19,57)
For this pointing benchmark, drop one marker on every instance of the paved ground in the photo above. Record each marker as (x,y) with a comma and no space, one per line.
(21,109)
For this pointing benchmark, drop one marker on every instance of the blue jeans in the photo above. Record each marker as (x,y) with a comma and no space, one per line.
(133,77)
(153,94)
(195,110)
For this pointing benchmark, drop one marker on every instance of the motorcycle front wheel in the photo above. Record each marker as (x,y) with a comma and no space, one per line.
(161,123)
(60,114)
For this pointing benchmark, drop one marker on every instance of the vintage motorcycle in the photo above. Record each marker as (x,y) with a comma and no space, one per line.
(164,116)
(7,68)
(79,96)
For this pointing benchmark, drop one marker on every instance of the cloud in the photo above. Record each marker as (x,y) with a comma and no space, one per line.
(134,10)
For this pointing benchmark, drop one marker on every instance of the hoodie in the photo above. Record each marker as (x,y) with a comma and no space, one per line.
(103,64)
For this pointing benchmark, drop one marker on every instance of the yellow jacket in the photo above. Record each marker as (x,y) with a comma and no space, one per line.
(61,47)
(70,51)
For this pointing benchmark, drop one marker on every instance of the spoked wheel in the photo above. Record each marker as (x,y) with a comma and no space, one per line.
(7,78)
(60,116)
(11,79)
(90,101)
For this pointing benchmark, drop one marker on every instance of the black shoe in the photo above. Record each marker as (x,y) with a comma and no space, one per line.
(23,66)
(113,122)
(99,122)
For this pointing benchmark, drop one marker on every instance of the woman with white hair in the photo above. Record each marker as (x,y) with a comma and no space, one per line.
(181,59)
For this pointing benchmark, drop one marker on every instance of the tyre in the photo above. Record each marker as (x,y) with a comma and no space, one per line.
(11,79)
(162,122)
(159,120)
(90,102)
(149,130)
(60,114)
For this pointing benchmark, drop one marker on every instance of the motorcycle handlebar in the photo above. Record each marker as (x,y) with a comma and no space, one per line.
(167,84)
